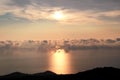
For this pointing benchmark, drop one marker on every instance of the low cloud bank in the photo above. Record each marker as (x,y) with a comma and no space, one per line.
(46,46)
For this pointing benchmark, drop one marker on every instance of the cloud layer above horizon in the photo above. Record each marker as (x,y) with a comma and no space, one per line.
(77,11)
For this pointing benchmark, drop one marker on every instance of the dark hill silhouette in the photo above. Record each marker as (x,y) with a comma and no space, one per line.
(47,73)
(106,73)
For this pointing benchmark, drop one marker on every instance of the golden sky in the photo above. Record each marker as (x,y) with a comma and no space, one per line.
(64,19)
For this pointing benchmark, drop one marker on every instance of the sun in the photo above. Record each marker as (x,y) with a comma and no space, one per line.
(58,15)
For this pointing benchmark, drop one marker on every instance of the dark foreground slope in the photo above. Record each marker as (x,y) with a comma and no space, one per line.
(106,73)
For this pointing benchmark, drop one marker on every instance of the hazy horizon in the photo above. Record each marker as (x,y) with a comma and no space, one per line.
(61,57)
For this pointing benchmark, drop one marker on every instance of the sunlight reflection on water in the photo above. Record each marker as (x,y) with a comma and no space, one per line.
(59,62)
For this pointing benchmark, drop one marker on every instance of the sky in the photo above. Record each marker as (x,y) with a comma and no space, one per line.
(59,19)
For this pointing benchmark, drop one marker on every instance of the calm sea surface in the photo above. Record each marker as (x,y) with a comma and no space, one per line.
(60,62)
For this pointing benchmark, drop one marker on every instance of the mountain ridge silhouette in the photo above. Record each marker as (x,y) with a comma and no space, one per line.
(105,73)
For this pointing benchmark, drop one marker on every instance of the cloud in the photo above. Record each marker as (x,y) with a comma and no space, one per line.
(21,3)
(43,10)
(114,13)
(30,12)
(13,47)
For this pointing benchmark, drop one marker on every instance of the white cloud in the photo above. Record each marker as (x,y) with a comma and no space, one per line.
(114,13)
(36,12)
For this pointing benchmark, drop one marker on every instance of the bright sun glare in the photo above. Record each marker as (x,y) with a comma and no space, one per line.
(59,54)
(58,15)
(60,61)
